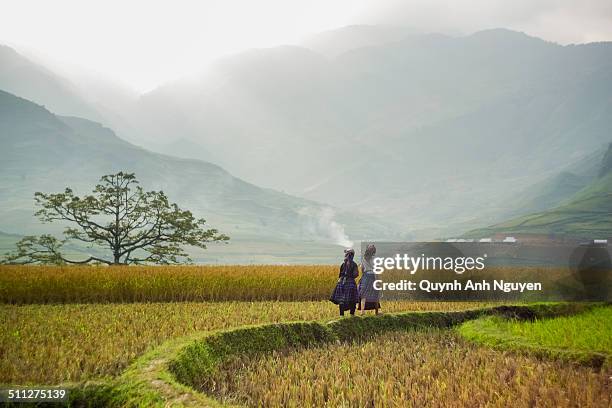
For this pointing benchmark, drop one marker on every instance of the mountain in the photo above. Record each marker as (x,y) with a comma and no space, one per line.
(556,189)
(426,130)
(266,101)
(41,151)
(335,42)
(21,76)
(585,214)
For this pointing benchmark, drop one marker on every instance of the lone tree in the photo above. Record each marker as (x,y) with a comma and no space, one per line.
(135,226)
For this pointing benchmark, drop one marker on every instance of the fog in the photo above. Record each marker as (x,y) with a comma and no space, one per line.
(146,43)
(561,21)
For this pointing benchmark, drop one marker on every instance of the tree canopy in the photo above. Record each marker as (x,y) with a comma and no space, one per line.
(134,225)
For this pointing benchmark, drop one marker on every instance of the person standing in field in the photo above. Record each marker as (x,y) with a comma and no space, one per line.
(345,294)
(369,297)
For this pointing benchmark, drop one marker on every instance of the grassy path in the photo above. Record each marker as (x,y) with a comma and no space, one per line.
(585,337)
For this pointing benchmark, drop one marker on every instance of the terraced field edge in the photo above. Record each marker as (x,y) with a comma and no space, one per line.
(487,331)
(170,375)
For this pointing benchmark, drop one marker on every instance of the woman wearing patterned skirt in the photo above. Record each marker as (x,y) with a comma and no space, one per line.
(369,297)
(345,295)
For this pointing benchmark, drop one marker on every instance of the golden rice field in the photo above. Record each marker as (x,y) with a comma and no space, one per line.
(114,284)
(79,323)
(104,284)
(433,368)
(48,344)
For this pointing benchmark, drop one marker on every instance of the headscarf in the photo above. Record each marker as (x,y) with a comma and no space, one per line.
(366,261)
(349,253)
(369,252)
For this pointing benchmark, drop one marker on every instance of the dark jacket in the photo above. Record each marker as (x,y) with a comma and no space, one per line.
(345,292)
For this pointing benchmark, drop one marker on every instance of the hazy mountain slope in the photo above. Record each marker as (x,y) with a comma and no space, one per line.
(542,195)
(44,152)
(587,213)
(495,111)
(20,76)
(428,131)
(335,42)
(556,189)
(255,111)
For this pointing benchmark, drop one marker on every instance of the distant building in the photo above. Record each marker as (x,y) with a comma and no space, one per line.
(546,239)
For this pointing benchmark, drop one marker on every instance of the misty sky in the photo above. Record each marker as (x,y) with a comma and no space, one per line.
(144,43)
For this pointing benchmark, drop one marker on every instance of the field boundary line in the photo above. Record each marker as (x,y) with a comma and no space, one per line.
(481,332)
(169,374)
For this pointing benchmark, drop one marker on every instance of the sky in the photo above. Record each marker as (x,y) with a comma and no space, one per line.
(144,43)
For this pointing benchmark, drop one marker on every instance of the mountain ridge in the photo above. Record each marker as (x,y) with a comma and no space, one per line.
(21,76)
(362,121)
(587,213)
(424,131)
(45,152)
